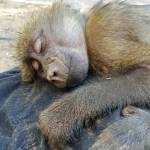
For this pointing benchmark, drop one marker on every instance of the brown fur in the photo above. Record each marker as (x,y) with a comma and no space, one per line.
(114,38)
(23,43)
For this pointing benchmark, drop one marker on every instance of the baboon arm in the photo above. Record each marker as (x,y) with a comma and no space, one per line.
(63,118)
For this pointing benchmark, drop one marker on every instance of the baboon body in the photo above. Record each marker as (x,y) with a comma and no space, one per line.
(115,43)
(117,38)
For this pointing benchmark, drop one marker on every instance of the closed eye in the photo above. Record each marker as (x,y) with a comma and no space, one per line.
(37,47)
(40,43)
(36,65)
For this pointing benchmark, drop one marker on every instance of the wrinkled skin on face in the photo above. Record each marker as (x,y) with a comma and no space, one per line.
(56,63)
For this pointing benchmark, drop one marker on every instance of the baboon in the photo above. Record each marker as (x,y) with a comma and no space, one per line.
(55,41)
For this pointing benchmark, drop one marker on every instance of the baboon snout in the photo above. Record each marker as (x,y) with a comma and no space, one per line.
(57,74)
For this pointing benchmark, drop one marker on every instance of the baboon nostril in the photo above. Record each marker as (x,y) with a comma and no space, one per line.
(55,73)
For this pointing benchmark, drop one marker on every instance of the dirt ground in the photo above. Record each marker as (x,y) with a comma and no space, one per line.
(13,13)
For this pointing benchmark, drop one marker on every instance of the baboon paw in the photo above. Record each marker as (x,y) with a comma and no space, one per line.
(56,125)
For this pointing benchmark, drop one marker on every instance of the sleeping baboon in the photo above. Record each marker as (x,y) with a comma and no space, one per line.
(53,46)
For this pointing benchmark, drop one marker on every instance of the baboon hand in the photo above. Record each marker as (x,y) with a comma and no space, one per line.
(58,123)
